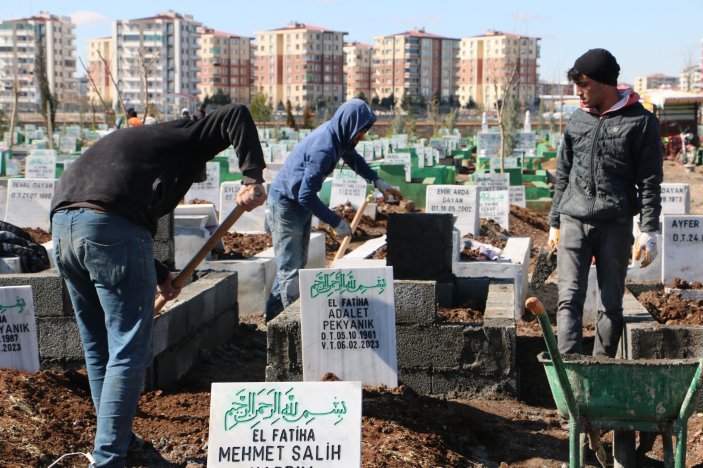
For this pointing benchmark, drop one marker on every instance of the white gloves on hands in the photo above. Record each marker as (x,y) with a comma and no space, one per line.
(342,230)
(646,248)
(387,189)
(553,240)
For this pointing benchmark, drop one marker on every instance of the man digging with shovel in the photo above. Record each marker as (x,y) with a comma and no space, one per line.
(104,214)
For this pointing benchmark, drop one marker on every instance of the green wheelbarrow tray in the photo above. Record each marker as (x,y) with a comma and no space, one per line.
(637,391)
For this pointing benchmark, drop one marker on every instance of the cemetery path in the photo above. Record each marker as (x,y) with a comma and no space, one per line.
(47,414)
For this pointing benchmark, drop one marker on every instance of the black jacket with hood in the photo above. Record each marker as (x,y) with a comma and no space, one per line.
(143,172)
(610,165)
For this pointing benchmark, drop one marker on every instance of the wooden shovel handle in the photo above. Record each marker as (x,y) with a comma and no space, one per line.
(200,255)
(355,222)
(535,306)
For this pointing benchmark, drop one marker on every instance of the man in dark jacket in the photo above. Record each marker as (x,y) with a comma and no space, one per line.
(293,195)
(609,169)
(104,215)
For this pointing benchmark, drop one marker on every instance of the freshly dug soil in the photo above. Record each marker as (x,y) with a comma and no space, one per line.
(38,235)
(239,246)
(671,309)
(682,284)
(472,255)
(459,315)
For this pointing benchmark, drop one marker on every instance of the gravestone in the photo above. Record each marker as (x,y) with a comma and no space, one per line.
(28,202)
(492,181)
(347,187)
(18,329)
(40,166)
(348,325)
(67,144)
(420,245)
(682,255)
(458,200)
(400,158)
(517,196)
(495,205)
(285,424)
(676,198)
(208,190)
(525,141)
(251,221)
(489,142)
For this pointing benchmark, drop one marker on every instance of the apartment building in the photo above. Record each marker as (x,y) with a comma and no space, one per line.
(487,62)
(100,52)
(415,63)
(300,63)
(225,65)
(691,79)
(164,48)
(358,76)
(655,81)
(21,40)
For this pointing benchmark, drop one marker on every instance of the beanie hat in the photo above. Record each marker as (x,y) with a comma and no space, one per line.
(599,65)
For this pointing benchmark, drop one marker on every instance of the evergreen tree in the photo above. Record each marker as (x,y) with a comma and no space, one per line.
(290,120)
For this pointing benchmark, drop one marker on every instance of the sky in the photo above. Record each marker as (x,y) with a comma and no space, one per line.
(645,36)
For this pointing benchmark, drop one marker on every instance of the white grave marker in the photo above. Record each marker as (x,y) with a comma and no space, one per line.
(28,202)
(492,181)
(285,424)
(400,158)
(682,255)
(517,196)
(495,205)
(676,199)
(18,329)
(348,325)
(459,200)
(251,221)
(208,190)
(38,166)
(488,142)
(347,186)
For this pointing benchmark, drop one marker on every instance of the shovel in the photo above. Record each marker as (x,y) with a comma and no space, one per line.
(355,222)
(200,255)
(546,264)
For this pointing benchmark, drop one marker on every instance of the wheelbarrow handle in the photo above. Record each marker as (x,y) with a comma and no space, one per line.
(535,306)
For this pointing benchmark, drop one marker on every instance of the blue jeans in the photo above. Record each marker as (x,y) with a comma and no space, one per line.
(290,225)
(610,242)
(108,265)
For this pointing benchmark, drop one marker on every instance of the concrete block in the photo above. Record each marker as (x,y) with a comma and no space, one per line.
(367,249)
(431,346)
(48,292)
(10,265)
(188,241)
(500,302)
(417,378)
(256,274)
(445,293)
(428,236)
(513,265)
(284,346)
(59,339)
(415,302)
(358,263)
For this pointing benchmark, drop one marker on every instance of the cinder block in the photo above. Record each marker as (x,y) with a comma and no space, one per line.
(453,383)
(284,348)
(417,378)
(500,302)
(48,292)
(430,345)
(415,302)
(59,339)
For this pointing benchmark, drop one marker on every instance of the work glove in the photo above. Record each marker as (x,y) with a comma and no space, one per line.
(553,241)
(646,248)
(386,188)
(342,230)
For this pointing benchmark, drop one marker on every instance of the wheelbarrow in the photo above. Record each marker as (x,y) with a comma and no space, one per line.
(623,395)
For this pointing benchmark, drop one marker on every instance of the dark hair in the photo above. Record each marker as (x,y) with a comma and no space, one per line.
(573,75)
(131,112)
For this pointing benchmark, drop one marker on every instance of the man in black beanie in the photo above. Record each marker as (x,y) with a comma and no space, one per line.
(609,169)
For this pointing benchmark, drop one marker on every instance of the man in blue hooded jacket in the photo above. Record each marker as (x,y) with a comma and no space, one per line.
(293,199)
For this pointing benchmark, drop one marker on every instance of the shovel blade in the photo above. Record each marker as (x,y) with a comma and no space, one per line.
(546,264)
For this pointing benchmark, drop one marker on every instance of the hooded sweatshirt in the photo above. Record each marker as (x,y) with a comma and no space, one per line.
(143,172)
(314,158)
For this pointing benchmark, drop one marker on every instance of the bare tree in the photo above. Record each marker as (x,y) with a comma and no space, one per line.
(48,101)
(15,102)
(146,67)
(504,79)
(114,83)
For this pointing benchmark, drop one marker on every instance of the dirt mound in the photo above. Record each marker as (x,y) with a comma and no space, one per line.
(38,235)
(683,284)
(459,315)
(238,246)
(671,309)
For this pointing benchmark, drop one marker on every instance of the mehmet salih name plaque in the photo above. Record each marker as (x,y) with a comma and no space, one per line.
(348,325)
(285,424)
